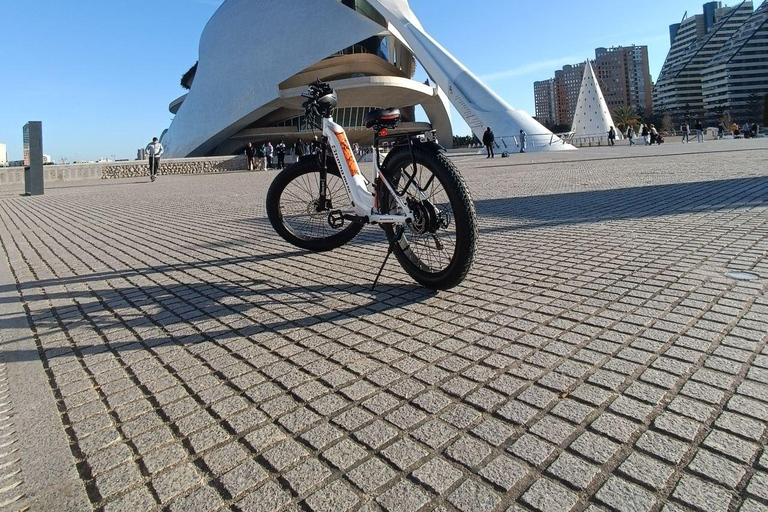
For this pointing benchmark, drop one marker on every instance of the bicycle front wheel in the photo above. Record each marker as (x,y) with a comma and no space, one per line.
(438,248)
(295,212)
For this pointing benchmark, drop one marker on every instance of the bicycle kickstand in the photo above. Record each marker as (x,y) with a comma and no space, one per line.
(395,239)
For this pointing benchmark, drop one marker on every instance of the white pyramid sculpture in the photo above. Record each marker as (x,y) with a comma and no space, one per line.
(592,117)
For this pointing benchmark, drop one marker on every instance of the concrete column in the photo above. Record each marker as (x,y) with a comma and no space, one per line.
(33,170)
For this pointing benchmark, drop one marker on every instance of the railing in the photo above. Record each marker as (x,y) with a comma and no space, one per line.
(532,140)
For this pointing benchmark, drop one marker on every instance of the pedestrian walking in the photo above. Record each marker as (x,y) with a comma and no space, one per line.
(523,144)
(631,136)
(611,136)
(720,131)
(654,134)
(261,155)
(280,151)
(645,132)
(269,150)
(250,156)
(699,132)
(298,149)
(685,129)
(488,139)
(154,151)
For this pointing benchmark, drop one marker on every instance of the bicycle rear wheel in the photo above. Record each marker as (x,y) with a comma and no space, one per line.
(295,213)
(438,248)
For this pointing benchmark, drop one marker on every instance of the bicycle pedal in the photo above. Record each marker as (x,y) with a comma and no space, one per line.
(336,219)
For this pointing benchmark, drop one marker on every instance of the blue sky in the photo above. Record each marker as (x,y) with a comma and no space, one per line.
(100,74)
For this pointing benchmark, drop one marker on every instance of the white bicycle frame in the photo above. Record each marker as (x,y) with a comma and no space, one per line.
(363,201)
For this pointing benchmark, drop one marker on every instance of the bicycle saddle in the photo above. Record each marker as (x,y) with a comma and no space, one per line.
(382,118)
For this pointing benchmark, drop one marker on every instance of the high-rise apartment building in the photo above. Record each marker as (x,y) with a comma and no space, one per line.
(556,98)
(544,97)
(623,74)
(694,43)
(736,79)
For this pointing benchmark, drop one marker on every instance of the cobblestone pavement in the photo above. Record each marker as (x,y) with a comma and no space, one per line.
(597,358)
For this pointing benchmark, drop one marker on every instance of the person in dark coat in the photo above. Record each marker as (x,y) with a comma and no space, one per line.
(488,139)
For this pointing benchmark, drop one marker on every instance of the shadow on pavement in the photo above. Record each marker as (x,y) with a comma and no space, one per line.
(185,309)
(625,203)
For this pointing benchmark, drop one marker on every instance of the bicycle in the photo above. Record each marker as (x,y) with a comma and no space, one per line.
(417,196)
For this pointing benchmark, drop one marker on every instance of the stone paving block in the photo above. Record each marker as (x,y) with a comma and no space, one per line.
(403,497)
(647,470)
(176,481)
(404,453)
(663,446)
(203,499)
(243,477)
(731,446)
(471,496)
(264,437)
(517,412)
(285,454)
(702,495)
(504,472)
(111,457)
(546,495)
(572,410)
(406,417)
(678,426)
(371,475)
(468,451)
(269,497)
(742,425)
(552,429)
(322,435)
(751,505)
(119,479)
(438,474)
(573,470)
(594,447)
(758,486)
(617,428)
(225,458)
(137,499)
(345,454)
(532,449)
(493,431)
(307,475)
(376,434)
(460,416)
(719,469)
(749,407)
(625,496)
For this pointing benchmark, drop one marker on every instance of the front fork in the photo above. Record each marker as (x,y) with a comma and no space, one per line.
(323,203)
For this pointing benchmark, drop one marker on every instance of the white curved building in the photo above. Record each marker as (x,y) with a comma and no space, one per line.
(252,70)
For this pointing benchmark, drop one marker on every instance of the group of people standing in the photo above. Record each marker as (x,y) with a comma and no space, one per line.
(261,158)
(686,130)
(489,140)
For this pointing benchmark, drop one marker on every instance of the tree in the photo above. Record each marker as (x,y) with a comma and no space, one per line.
(765,110)
(623,117)
(189,77)
(753,108)
(666,123)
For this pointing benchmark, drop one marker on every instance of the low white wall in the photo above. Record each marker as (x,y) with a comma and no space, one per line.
(136,168)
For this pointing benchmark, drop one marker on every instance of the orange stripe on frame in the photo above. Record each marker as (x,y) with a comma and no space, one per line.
(346,150)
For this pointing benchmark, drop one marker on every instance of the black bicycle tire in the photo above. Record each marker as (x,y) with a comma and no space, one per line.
(276,218)
(463,215)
